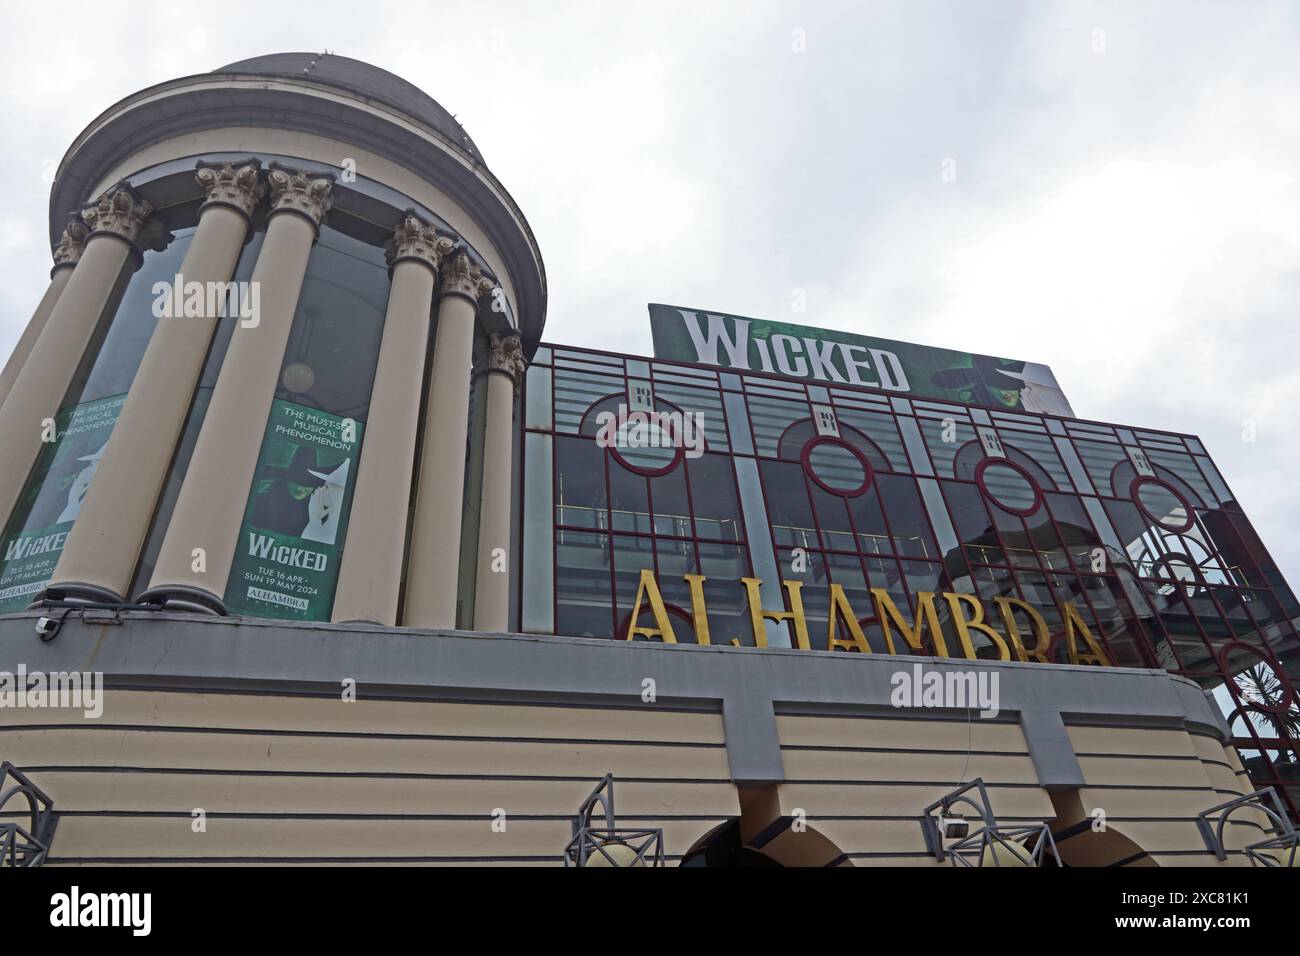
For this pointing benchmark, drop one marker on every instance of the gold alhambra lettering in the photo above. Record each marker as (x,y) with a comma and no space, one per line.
(649,588)
(840,605)
(964,624)
(966,611)
(757,612)
(888,613)
(1041,631)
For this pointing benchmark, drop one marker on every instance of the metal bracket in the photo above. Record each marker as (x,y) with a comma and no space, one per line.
(973,848)
(19,846)
(610,845)
(1286,842)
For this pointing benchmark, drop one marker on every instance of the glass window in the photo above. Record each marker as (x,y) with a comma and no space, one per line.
(1162,504)
(713,497)
(787,504)
(723,565)
(629,503)
(971,520)
(329,362)
(579,483)
(1008,485)
(110,365)
(672,507)
(583,599)
(837,467)
(908,524)
(537,397)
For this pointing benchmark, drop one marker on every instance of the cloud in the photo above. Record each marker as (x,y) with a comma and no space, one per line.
(1126,207)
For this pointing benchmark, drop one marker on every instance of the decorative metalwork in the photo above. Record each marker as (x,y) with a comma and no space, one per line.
(1283,849)
(992,844)
(610,845)
(28,846)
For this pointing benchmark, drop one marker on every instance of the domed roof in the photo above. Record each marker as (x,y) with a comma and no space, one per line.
(364,79)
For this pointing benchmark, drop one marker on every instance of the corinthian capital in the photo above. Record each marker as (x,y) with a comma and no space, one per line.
(506,354)
(416,239)
(293,190)
(73,241)
(236,186)
(462,276)
(119,211)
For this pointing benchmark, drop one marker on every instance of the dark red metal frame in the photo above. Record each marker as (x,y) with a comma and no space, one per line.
(1023,472)
(1204,606)
(868,473)
(1135,495)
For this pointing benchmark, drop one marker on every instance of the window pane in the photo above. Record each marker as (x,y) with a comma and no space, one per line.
(787,495)
(582,585)
(629,504)
(971,520)
(907,521)
(671,507)
(579,483)
(329,363)
(713,494)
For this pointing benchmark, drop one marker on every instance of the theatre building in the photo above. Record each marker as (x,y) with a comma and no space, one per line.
(316,550)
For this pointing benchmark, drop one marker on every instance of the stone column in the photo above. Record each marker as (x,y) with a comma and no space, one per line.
(66,255)
(40,387)
(431,575)
(492,584)
(370,576)
(100,555)
(198,549)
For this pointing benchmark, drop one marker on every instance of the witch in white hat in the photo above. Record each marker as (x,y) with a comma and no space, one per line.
(1039,391)
(326,504)
(80,485)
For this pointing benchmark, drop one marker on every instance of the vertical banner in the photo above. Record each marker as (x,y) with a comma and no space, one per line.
(52,499)
(287,560)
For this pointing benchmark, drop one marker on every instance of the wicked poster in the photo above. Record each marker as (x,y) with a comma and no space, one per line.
(287,559)
(52,499)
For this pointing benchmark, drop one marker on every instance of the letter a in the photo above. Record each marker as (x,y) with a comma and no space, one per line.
(1073,619)
(664,628)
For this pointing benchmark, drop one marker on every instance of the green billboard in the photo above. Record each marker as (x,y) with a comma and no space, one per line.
(287,560)
(846,358)
(52,499)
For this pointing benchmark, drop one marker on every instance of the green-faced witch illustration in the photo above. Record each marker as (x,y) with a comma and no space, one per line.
(299,500)
(978,381)
(1004,383)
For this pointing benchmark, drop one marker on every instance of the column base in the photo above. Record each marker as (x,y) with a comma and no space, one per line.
(79,592)
(183,597)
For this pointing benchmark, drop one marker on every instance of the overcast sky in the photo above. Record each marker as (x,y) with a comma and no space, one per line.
(1125,206)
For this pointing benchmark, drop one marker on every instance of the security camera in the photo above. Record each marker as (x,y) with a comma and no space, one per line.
(47,627)
(955,827)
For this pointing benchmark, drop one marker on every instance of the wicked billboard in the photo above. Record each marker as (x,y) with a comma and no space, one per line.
(835,357)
